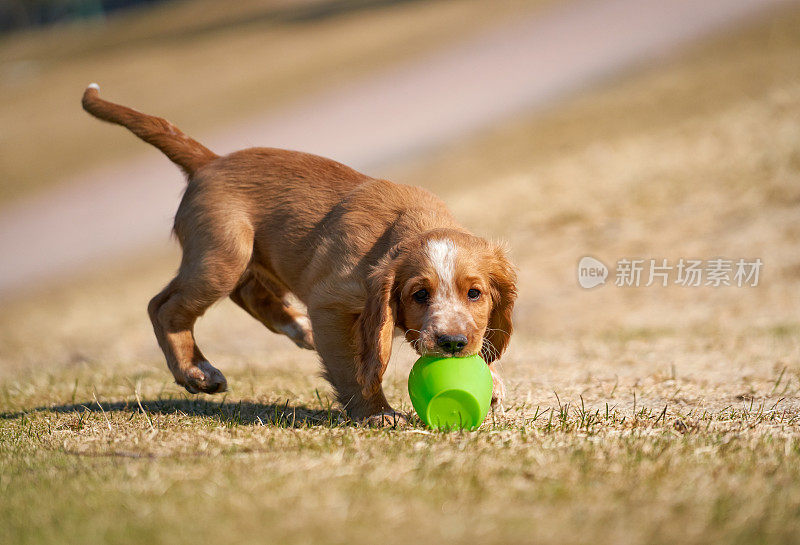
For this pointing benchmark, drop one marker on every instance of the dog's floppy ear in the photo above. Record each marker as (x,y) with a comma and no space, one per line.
(503,281)
(375,328)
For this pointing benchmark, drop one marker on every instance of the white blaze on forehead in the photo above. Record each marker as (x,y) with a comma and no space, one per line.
(446,312)
(442,253)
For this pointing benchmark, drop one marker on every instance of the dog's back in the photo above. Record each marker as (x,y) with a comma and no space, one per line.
(289,203)
(307,212)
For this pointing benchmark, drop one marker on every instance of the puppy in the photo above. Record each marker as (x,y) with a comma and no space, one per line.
(364,255)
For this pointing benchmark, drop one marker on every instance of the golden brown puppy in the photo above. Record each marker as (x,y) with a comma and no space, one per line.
(365,256)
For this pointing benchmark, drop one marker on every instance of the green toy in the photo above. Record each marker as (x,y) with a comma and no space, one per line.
(451,393)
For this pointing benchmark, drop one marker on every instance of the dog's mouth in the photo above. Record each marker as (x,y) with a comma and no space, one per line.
(424,343)
(423,348)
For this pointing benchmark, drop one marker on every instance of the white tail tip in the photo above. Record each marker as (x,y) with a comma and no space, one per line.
(94,86)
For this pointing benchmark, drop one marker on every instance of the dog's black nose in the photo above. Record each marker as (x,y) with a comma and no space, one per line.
(452,343)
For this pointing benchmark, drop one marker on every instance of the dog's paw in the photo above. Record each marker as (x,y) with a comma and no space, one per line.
(498,392)
(204,378)
(388,419)
(299,331)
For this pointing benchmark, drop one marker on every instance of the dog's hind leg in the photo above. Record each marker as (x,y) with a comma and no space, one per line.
(213,262)
(266,302)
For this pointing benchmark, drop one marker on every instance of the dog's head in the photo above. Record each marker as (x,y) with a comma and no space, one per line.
(452,294)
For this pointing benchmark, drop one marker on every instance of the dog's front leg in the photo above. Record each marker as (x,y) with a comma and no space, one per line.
(498,388)
(333,335)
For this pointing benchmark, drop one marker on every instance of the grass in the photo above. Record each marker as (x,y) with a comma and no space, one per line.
(641,415)
(174,469)
(207,63)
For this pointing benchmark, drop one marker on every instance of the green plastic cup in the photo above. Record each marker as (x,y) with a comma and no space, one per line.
(451,393)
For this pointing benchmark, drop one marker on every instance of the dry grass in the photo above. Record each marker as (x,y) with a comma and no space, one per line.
(207,63)
(643,415)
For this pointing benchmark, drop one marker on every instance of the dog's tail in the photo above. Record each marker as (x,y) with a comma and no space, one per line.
(185,152)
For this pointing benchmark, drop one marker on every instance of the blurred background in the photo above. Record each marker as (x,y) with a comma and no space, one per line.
(610,128)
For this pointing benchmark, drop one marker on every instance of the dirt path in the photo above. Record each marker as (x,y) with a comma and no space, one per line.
(110,212)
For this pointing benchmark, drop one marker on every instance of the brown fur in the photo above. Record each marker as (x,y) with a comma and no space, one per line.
(261,224)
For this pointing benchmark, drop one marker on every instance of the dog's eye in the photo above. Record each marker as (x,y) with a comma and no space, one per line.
(474,294)
(420,296)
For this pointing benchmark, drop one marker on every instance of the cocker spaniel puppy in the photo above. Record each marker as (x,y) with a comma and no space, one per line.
(365,256)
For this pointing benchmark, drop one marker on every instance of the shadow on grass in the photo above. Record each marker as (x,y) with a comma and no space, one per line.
(240,413)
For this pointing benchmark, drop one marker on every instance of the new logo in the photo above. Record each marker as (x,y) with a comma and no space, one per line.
(591,272)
